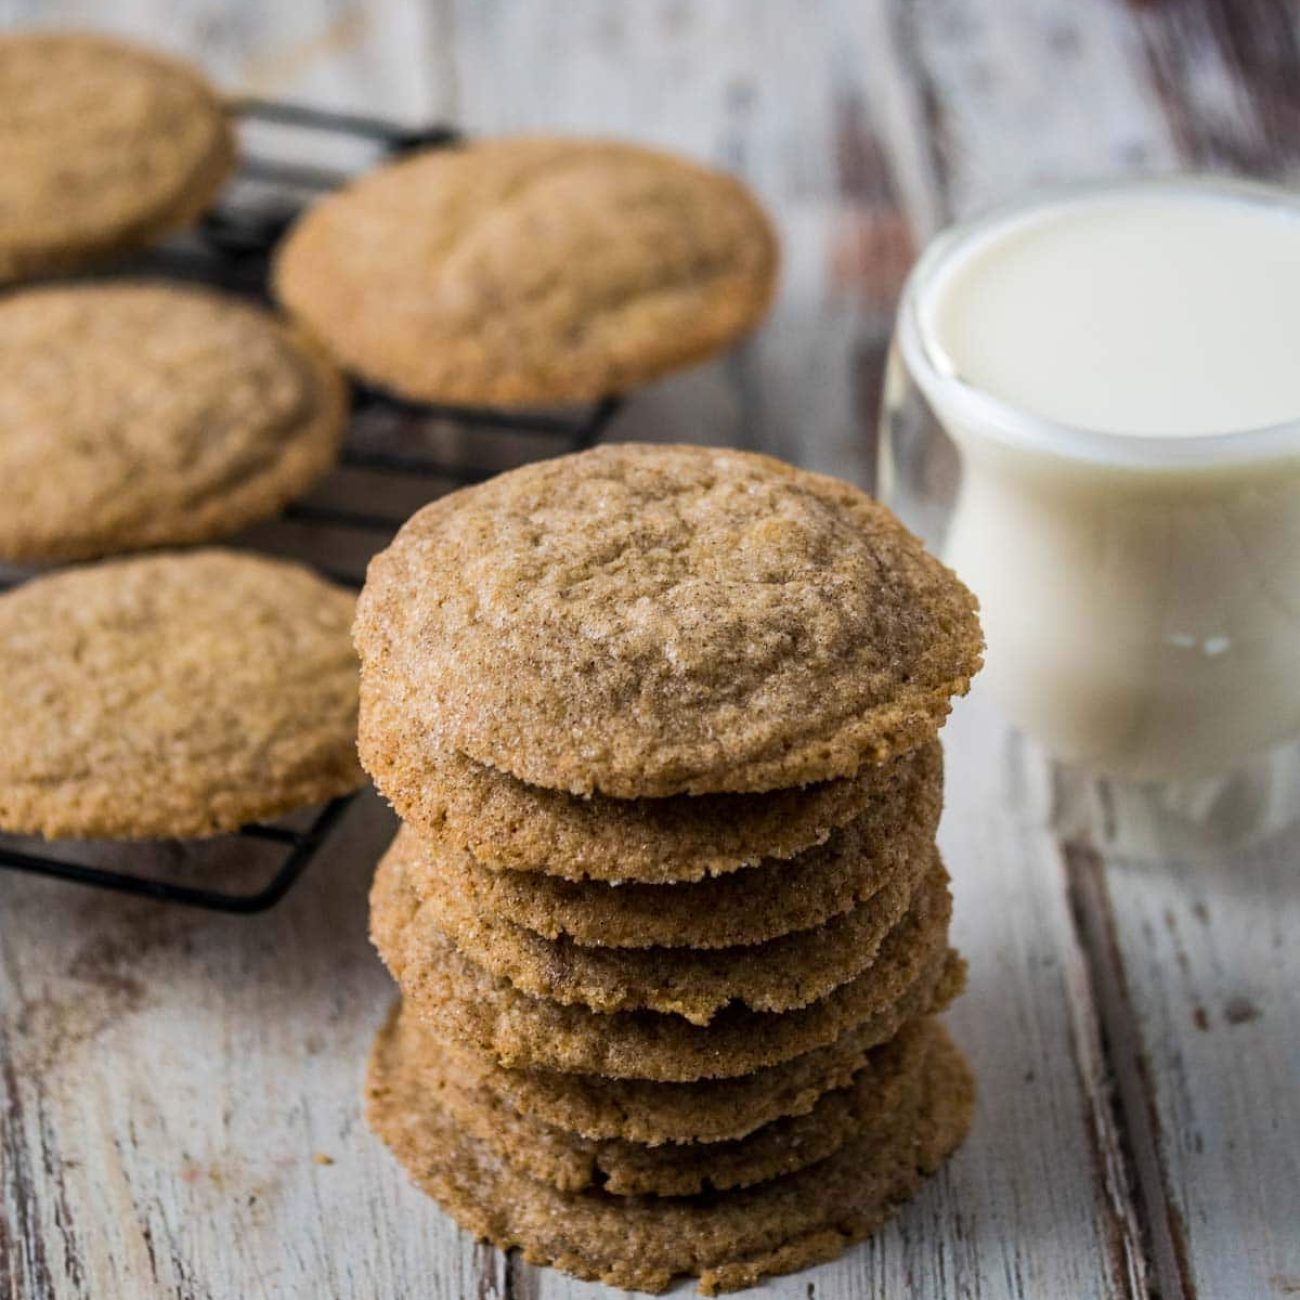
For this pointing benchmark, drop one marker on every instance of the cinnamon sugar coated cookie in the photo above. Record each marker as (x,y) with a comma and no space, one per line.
(879,1092)
(175,694)
(490,1014)
(772,898)
(667,916)
(529,270)
(781,974)
(142,414)
(509,825)
(666,620)
(104,146)
(727,1241)
(651,1112)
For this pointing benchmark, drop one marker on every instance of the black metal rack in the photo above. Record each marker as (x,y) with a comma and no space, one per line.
(231,249)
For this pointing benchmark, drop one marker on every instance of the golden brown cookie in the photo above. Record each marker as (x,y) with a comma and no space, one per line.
(782,974)
(175,694)
(104,146)
(763,902)
(454,801)
(647,621)
(707,1110)
(145,414)
(878,1095)
(468,1003)
(529,270)
(728,1240)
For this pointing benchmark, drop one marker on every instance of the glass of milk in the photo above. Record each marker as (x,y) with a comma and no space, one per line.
(1093,411)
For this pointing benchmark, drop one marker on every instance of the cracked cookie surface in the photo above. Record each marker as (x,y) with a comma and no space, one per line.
(529,270)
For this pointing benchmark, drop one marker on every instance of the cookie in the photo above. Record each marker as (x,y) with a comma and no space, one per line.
(727,1240)
(145,414)
(508,825)
(471,1005)
(647,621)
(877,1096)
(764,902)
(524,271)
(710,1110)
(781,975)
(104,146)
(174,694)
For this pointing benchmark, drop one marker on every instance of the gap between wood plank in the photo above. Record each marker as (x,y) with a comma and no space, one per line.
(1148,1235)
(1131,1098)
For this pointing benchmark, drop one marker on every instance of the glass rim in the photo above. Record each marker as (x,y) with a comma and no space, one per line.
(1006,422)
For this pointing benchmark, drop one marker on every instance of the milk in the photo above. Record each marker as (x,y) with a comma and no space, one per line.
(1120,372)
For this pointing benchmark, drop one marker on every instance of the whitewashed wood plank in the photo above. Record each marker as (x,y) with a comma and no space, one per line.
(1226,77)
(1209,972)
(386,56)
(220,1169)
(1028,92)
(763,91)
(173,1083)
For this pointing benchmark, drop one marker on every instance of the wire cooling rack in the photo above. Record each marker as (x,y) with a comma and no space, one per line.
(415,451)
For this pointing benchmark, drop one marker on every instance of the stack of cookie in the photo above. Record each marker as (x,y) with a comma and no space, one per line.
(141,414)
(667,916)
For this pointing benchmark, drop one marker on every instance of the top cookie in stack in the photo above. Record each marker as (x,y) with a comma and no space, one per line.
(714,681)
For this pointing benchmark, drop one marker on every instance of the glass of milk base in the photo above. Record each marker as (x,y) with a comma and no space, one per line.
(1092,411)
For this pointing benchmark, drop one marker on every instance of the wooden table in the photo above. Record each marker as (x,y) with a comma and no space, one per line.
(179,1093)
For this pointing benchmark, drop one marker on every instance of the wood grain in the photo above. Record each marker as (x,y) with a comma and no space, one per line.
(1209,966)
(179,1094)
(1225,72)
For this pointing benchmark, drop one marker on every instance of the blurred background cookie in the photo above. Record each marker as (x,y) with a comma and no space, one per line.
(144,414)
(521,271)
(104,146)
